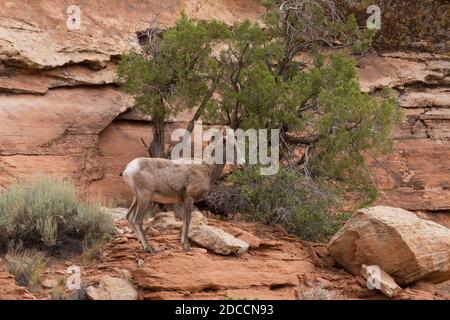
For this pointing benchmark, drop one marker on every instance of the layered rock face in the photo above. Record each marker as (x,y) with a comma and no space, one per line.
(57,93)
(416,175)
(61,113)
(405,25)
(57,133)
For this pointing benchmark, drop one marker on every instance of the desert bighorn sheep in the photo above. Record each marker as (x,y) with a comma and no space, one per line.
(180,181)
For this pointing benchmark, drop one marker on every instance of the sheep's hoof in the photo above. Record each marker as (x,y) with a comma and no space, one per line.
(186,247)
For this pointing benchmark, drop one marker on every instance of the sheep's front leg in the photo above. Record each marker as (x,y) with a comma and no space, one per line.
(178,211)
(187,211)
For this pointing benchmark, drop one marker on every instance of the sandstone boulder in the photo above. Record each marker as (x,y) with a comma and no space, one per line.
(252,240)
(217,240)
(214,239)
(166,220)
(112,288)
(406,247)
(198,218)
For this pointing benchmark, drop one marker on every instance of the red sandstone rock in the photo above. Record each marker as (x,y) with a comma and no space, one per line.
(10,291)
(380,280)
(399,69)
(112,288)
(252,240)
(36,36)
(267,273)
(56,133)
(406,247)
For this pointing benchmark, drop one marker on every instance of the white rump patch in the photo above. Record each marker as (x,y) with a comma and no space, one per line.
(131,168)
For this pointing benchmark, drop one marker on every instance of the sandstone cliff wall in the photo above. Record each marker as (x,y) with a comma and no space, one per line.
(61,113)
(406,24)
(57,92)
(416,175)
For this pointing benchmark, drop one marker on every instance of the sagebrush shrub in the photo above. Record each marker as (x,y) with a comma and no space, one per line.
(92,222)
(92,248)
(26,265)
(288,198)
(45,212)
(58,291)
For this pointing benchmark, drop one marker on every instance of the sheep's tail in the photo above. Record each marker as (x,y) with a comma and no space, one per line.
(121,172)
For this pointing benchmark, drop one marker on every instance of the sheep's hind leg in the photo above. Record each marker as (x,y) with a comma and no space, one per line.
(130,215)
(142,205)
(187,211)
(153,209)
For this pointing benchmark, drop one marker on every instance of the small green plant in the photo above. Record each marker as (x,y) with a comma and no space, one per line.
(26,265)
(92,248)
(301,205)
(45,213)
(58,291)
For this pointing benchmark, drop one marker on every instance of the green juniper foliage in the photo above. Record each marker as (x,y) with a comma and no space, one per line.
(346,123)
(289,198)
(176,71)
(297,74)
(267,84)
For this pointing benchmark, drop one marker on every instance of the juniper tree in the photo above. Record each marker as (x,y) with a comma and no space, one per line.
(298,75)
(295,72)
(175,71)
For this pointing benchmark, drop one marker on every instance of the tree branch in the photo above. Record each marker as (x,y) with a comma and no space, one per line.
(301,140)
